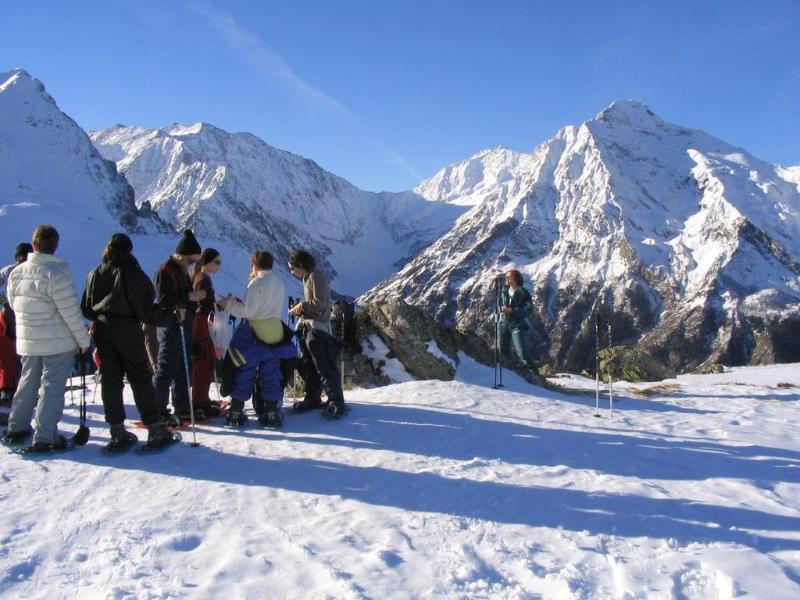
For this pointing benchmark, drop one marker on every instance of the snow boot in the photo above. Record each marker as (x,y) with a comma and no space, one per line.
(235,419)
(170,420)
(307,404)
(158,438)
(60,444)
(336,409)
(14,438)
(121,439)
(272,418)
(199,415)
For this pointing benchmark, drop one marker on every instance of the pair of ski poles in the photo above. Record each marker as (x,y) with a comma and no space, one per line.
(499,284)
(597,369)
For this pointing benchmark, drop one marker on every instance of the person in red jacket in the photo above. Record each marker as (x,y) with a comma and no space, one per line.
(204,354)
(9,361)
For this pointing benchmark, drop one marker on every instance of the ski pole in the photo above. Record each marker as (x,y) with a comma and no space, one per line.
(194,443)
(610,373)
(597,365)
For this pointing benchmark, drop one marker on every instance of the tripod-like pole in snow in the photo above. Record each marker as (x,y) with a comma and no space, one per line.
(597,365)
(610,373)
(194,443)
(498,352)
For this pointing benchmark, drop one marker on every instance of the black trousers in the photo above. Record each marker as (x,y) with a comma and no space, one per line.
(319,362)
(120,345)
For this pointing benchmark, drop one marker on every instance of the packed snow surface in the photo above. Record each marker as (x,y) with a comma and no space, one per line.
(690,489)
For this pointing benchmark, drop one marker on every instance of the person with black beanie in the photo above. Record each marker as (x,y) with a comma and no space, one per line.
(175,295)
(118,298)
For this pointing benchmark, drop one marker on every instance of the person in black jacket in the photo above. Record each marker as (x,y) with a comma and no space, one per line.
(117,299)
(174,293)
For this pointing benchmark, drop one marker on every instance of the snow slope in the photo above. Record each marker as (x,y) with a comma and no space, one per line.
(690,490)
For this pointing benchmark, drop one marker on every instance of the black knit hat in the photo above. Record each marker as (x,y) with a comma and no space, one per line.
(188,244)
(120,243)
(22,250)
(208,255)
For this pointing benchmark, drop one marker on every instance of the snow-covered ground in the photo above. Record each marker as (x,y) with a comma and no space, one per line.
(433,490)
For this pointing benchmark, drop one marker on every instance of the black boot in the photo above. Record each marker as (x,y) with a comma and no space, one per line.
(271,417)
(159,436)
(121,439)
(236,419)
(307,404)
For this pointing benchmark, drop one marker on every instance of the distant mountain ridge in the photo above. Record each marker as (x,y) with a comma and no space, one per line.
(687,244)
(236,186)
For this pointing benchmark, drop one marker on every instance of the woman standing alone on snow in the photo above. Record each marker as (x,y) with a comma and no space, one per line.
(204,354)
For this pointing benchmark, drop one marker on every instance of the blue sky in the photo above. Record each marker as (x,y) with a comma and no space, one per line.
(387,93)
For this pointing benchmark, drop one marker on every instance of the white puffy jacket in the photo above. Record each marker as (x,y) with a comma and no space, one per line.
(45,302)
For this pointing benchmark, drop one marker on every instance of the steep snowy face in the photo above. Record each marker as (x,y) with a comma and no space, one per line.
(237,187)
(49,170)
(689,245)
(469,182)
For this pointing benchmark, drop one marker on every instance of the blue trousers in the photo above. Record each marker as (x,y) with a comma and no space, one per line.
(517,339)
(256,362)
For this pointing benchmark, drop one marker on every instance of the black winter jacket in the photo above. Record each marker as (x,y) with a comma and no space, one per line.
(173,284)
(121,290)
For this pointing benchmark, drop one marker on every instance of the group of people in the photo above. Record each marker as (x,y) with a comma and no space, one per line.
(158,335)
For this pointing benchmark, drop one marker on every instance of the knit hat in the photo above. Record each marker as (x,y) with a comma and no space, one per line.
(208,256)
(22,250)
(120,243)
(188,244)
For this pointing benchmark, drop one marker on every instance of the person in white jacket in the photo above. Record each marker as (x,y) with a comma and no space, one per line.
(50,330)
(259,344)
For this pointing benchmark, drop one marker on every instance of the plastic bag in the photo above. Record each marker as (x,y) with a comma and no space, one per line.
(221,332)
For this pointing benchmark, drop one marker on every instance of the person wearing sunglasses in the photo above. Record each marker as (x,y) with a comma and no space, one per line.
(204,354)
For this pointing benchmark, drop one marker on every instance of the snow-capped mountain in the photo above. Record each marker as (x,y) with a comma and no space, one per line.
(687,244)
(237,187)
(49,170)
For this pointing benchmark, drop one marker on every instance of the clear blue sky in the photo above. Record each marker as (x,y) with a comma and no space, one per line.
(387,93)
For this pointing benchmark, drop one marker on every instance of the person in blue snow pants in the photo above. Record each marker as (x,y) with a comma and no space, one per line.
(257,363)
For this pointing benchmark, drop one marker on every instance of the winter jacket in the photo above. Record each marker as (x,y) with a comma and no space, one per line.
(263,306)
(4,273)
(521,305)
(45,301)
(120,290)
(317,302)
(173,284)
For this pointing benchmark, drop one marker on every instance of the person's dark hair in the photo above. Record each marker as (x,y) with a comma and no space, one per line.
(262,260)
(22,250)
(207,256)
(119,245)
(46,237)
(302,259)
(516,275)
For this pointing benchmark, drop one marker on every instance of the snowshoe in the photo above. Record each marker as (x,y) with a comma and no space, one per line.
(15,438)
(61,444)
(159,439)
(121,443)
(307,404)
(335,410)
(271,419)
(236,419)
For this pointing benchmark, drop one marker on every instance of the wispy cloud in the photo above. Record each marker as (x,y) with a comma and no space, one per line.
(249,47)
